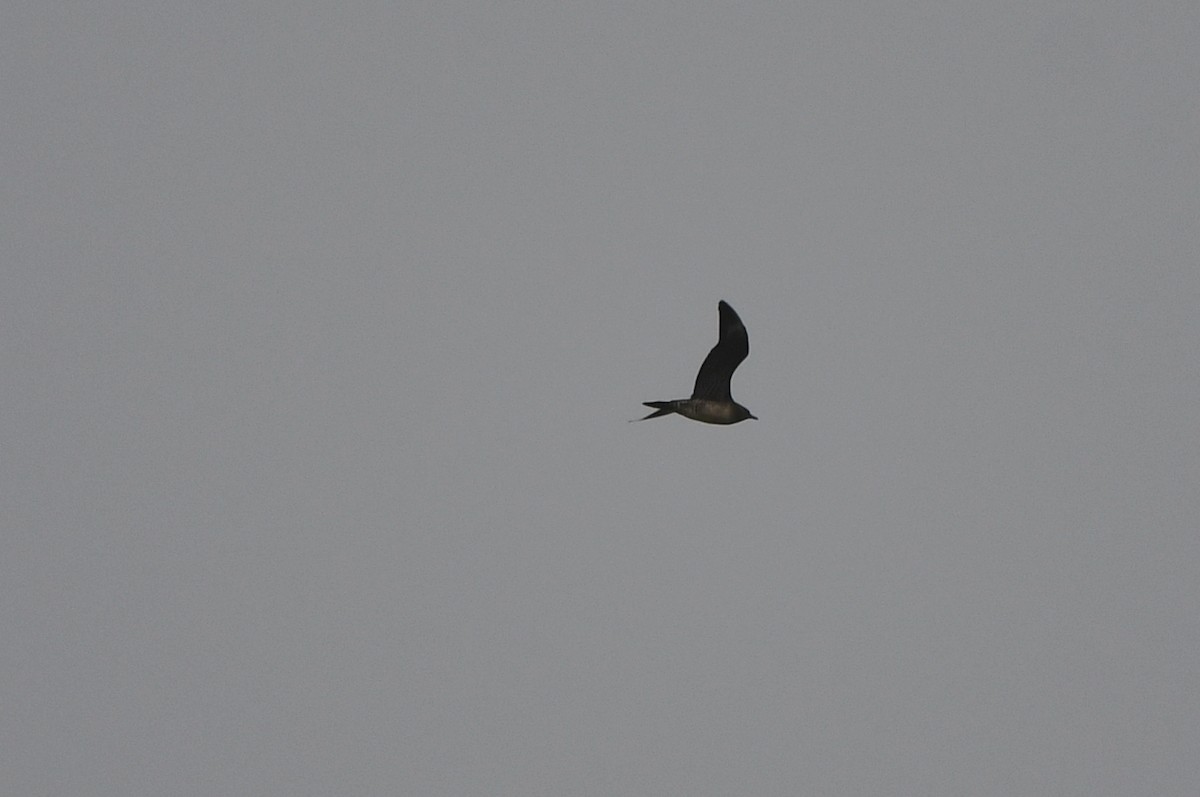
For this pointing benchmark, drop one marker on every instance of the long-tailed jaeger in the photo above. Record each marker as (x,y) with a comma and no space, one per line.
(711,401)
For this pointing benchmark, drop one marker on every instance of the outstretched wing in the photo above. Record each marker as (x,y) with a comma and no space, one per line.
(732,347)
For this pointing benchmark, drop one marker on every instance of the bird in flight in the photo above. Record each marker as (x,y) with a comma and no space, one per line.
(710,401)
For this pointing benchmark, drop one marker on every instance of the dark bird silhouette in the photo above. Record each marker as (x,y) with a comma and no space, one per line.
(711,401)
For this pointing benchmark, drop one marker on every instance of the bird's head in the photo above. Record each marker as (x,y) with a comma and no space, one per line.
(744,414)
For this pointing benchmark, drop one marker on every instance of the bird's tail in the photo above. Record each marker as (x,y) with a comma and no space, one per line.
(661,408)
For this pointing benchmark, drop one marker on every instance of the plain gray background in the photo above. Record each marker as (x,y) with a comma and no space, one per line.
(322,323)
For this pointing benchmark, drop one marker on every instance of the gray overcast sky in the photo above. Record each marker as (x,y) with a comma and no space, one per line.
(322,323)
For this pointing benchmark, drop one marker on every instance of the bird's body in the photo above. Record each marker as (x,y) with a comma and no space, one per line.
(711,401)
(704,410)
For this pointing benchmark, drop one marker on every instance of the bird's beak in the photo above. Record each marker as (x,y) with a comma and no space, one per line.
(754,417)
